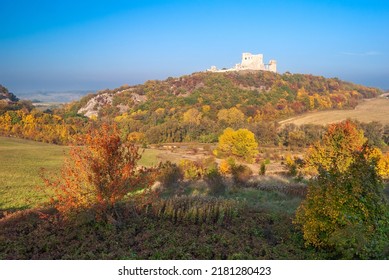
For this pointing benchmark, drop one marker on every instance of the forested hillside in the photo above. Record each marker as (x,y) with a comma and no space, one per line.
(199,106)
(196,107)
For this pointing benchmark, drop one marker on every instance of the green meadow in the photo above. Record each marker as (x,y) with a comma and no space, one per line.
(21,162)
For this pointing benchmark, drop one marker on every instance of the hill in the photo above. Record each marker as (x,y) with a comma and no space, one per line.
(368,110)
(198,107)
(9,101)
(230,89)
(6,96)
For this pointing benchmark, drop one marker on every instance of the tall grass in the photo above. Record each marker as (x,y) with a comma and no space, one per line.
(195,209)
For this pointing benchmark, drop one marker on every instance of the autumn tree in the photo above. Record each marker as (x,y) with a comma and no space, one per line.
(192,117)
(345,210)
(232,117)
(99,175)
(240,144)
(335,150)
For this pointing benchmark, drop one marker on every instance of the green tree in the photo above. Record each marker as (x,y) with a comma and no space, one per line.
(240,144)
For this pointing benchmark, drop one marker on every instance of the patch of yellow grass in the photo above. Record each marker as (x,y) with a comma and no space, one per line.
(376,109)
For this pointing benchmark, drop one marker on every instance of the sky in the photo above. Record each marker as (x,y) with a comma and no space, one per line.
(91,45)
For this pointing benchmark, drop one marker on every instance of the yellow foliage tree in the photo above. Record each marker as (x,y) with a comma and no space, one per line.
(231,117)
(192,117)
(240,144)
(136,137)
(382,161)
(345,209)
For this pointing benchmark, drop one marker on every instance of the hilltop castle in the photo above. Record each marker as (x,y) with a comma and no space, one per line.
(250,62)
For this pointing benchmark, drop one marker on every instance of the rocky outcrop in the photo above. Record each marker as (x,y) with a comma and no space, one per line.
(91,109)
(93,106)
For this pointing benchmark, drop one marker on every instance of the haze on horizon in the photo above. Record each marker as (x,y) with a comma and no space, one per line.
(83,45)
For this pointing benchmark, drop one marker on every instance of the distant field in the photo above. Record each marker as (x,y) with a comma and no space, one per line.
(369,110)
(150,157)
(21,161)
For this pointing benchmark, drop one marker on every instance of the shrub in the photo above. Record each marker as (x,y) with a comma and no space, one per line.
(241,174)
(215,182)
(226,165)
(99,175)
(192,170)
(169,174)
(295,166)
(262,170)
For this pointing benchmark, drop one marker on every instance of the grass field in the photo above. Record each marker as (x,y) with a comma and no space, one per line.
(150,157)
(369,110)
(21,162)
(20,165)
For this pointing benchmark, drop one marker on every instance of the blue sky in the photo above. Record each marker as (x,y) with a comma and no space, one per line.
(68,45)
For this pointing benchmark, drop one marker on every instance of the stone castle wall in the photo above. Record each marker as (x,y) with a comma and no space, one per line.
(250,62)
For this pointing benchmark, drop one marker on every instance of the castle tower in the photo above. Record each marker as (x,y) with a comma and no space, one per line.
(273,66)
(252,62)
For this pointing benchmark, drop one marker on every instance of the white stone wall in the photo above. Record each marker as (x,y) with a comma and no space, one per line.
(273,66)
(250,62)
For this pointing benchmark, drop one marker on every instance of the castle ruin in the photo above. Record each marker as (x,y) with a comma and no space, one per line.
(250,62)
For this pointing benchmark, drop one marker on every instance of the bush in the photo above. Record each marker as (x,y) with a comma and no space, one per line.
(226,165)
(295,166)
(194,170)
(169,174)
(191,169)
(215,182)
(99,175)
(241,174)
(262,170)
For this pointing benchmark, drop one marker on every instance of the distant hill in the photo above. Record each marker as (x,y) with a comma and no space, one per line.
(7,96)
(250,89)
(196,107)
(9,102)
(199,106)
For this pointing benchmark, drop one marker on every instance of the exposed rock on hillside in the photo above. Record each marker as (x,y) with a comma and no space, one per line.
(6,96)
(95,104)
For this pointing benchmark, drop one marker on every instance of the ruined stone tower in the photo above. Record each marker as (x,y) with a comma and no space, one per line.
(250,62)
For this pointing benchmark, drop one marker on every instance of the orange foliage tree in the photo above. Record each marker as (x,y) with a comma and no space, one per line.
(336,148)
(100,174)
